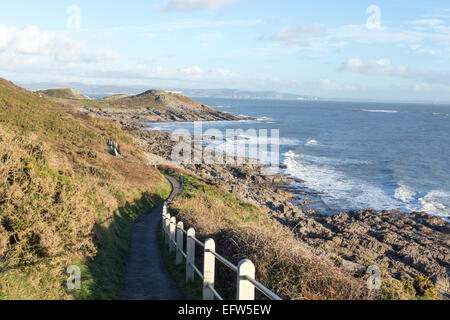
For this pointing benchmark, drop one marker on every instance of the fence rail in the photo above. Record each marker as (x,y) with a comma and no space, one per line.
(175,235)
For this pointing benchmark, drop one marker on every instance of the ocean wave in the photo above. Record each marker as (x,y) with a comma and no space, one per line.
(251,139)
(264,119)
(312,143)
(339,191)
(379,111)
(443,114)
(330,160)
(404,194)
(436,202)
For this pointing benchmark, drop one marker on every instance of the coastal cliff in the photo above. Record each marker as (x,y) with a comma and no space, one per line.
(335,249)
(149,106)
(404,245)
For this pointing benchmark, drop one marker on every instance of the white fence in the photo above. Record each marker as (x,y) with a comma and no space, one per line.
(174,234)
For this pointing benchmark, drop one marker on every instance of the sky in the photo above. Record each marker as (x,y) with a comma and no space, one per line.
(356,49)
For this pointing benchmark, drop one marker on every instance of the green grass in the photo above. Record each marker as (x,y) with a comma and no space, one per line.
(122,103)
(102,276)
(191,290)
(148,99)
(194,187)
(64,199)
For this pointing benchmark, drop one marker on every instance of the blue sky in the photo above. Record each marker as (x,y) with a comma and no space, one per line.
(395,50)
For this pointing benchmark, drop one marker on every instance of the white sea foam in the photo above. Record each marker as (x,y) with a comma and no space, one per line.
(339,191)
(250,139)
(443,114)
(312,143)
(264,119)
(379,111)
(404,194)
(436,202)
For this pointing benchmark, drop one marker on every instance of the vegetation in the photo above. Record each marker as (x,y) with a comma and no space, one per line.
(421,288)
(64,200)
(63,93)
(282,262)
(152,99)
(191,290)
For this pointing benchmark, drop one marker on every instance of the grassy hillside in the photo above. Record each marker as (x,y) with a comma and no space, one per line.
(64,199)
(283,263)
(153,99)
(63,94)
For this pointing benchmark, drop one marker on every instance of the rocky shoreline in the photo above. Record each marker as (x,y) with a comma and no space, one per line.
(133,118)
(403,245)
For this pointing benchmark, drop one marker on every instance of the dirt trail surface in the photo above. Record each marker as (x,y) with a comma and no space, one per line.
(145,276)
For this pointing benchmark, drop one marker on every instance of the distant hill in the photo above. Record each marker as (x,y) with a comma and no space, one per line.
(63,94)
(152,99)
(244,94)
(104,90)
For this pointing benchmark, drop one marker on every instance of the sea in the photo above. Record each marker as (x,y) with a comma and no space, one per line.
(353,155)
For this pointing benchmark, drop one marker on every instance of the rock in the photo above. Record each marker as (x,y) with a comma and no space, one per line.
(405,245)
(354,268)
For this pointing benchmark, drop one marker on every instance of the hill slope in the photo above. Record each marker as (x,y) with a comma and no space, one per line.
(64,199)
(63,94)
(149,106)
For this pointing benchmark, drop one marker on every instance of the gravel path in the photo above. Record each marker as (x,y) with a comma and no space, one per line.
(145,276)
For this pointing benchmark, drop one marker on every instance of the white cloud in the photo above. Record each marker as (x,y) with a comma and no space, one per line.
(196,24)
(31,40)
(297,32)
(426,36)
(191,70)
(327,84)
(377,67)
(427,22)
(384,67)
(196,73)
(38,68)
(189,5)
(442,14)
(422,87)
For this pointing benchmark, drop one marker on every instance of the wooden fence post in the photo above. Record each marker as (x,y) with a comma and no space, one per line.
(180,243)
(172,227)
(166,232)
(209,269)
(190,253)
(245,289)
(163,217)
